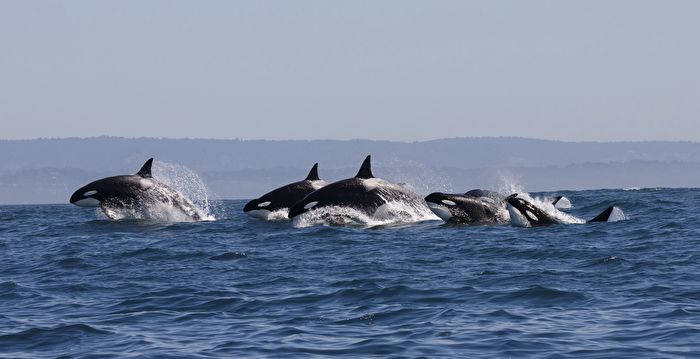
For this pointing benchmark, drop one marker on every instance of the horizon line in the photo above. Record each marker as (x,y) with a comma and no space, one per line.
(337,140)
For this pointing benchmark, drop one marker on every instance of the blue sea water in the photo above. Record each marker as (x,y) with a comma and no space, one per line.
(75,285)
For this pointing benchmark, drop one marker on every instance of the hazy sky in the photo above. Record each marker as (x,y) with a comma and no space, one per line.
(400,70)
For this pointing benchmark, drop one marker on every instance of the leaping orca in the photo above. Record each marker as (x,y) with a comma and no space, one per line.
(285,196)
(473,207)
(525,214)
(364,193)
(135,192)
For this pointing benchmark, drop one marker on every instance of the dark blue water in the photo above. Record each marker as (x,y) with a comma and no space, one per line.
(75,285)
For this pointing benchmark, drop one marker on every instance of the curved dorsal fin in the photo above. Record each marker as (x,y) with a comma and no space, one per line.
(313,174)
(366,169)
(603,216)
(145,170)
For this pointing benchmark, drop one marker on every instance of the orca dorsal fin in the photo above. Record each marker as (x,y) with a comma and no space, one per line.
(604,216)
(145,170)
(313,174)
(366,169)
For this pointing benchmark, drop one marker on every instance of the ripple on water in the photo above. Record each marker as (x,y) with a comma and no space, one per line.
(228,256)
(44,338)
(538,295)
(72,285)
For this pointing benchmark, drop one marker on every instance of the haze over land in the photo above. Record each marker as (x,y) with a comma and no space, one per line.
(49,170)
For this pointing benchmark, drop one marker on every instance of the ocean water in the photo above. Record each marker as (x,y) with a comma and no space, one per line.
(73,284)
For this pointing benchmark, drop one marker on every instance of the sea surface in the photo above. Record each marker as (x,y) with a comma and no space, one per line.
(74,284)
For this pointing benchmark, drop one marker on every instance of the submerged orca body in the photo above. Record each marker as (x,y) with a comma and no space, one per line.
(363,192)
(525,214)
(135,192)
(474,207)
(485,194)
(285,196)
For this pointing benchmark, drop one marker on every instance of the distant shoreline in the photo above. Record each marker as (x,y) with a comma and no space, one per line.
(49,170)
(348,139)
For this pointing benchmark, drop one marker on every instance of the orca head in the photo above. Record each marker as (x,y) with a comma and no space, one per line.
(285,196)
(88,195)
(302,207)
(460,208)
(442,204)
(525,214)
(97,192)
(259,208)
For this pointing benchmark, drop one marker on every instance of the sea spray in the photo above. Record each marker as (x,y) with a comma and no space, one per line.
(389,214)
(510,184)
(400,206)
(418,178)
(187,182)
(182,197)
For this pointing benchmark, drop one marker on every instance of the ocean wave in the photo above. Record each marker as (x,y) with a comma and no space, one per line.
(74,286)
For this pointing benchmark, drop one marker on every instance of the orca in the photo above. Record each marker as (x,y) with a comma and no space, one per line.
(473,207)
(364,193)
(136,192)
(484,193)
(524,214)
(284,197)
(561,202)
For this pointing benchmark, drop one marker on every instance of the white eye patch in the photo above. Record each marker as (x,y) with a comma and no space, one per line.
(310,205)
(264,204)
(89,193)
(448,202)
(531,215)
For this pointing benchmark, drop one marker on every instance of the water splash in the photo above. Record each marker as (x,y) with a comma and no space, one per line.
(562,203)
(183,197)
(545,204)
(510,184)
(278,215)
(400,206)
(417,177)
(390,213)
(617,215)
(187,182)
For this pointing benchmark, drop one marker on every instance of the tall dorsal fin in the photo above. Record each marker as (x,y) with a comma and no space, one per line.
(313,174)
(603,216)
(366,169)
(145,171)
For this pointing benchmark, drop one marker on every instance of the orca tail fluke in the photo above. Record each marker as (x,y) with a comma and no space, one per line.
(313,174)
(366,169)
(603,216)
(555,200)
(145,170)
